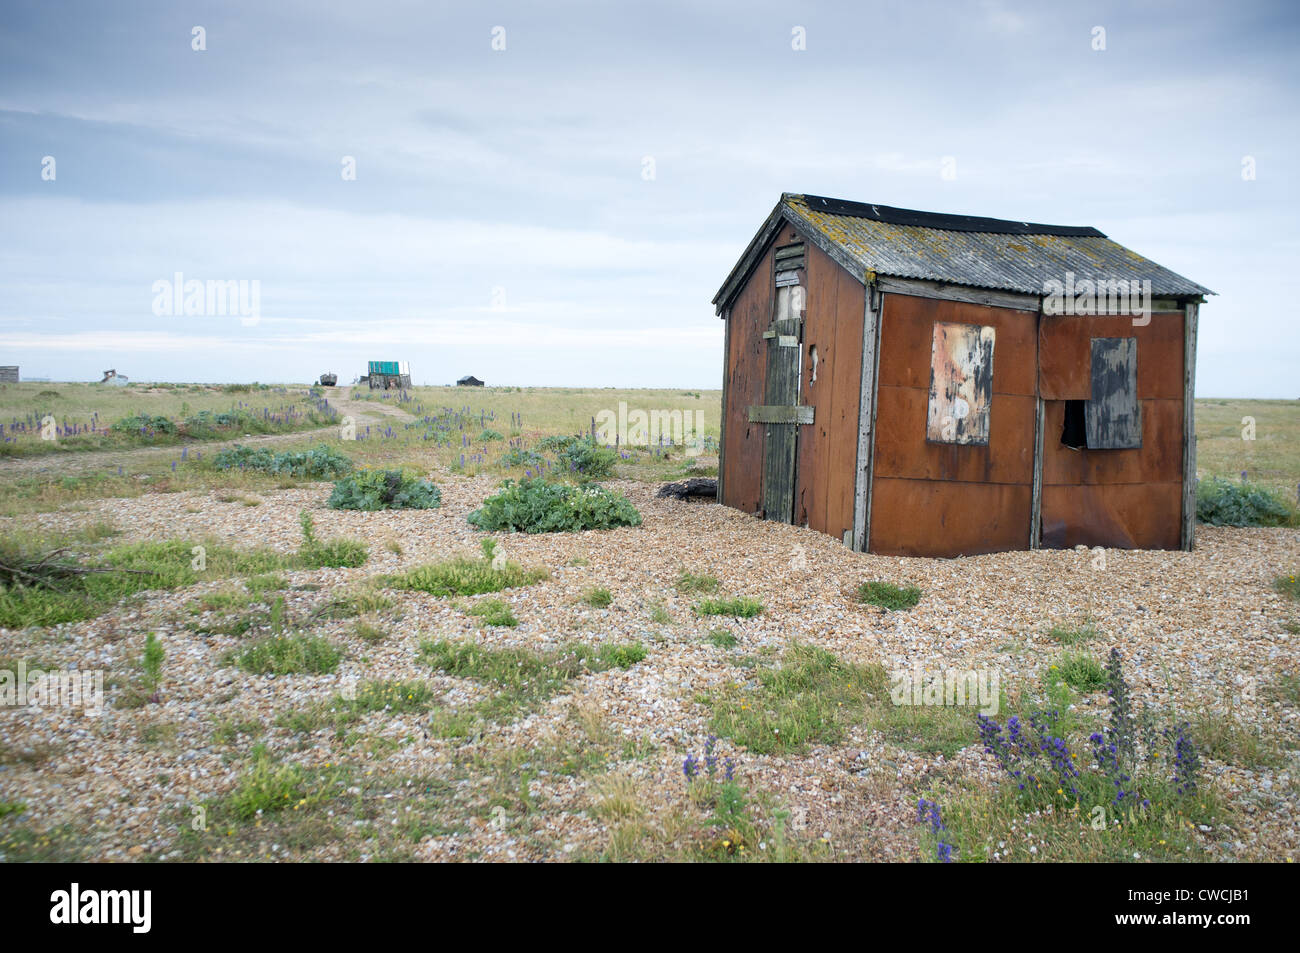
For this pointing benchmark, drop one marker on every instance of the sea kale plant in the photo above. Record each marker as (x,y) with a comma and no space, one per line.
(542,506)
(372,490)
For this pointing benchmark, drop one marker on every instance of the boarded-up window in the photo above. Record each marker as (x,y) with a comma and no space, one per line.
(961,384)
(1113,414)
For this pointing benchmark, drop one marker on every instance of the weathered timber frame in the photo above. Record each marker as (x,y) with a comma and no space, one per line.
(866,419)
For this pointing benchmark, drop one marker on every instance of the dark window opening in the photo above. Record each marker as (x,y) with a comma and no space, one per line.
(1075,432)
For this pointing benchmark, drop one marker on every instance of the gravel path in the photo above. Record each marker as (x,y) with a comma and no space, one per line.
(1200,628)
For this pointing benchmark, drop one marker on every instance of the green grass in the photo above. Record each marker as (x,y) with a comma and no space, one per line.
(696,584)
(494,612)
(357,602)
(171,564)
(1073,634)
(597,598)
(268,787)
(808,699)
(1288,585)
(464,576)
(1271,459)
(889,596)
(369,633)
(289,654)
(722,638)
(523,677)
(740,607)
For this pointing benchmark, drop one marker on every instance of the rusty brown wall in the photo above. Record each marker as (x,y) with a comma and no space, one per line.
(828,448)
(939,499)
(1130,499)
(751,312)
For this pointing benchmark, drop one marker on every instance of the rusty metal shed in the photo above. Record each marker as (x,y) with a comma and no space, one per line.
(924,384)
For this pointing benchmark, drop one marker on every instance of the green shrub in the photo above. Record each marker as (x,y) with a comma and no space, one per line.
(140,423)
(1080,671)
(322,462)
(888,596)
(1224,503)
(489,435)
(741,607)
(1288,585)
(690,582)
(598,598)
(540,506)
(384,490)
(722,638)
(581,456)
(519,457)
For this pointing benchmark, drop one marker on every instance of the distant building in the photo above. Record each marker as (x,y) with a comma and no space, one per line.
(114,378)
(9,374)
(384,375)
(469,381)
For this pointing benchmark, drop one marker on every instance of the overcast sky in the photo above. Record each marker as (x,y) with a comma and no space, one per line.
(562,211)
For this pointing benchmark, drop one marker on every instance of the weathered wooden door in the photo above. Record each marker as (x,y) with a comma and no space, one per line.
(780,414)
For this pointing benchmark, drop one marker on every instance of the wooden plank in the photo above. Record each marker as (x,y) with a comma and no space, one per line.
(780,414)
(1113,414)
(1065,369)
(866,413)
(1188,528)
(943,291)
(881,301)
(780,425)
(785,279)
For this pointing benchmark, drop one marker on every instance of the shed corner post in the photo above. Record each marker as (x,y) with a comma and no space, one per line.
(867,417)
(1191,314)
(1036,490)
(722,415)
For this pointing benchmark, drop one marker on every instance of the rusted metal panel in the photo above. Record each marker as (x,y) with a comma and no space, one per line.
(932,518)
(1118,515)
(961,384)
(907,341)
(833,347)
(901,451)
(750,315)
(1113,414)
(1158,460)
(1065,348)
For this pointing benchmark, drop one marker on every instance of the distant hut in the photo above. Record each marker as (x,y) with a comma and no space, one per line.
(9,374)
(469,380)
(388,374)
(923,384)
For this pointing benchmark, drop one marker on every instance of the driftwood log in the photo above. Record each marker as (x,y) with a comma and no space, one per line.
(706,487)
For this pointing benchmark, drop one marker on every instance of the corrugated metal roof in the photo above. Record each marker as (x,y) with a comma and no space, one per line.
(1017,256)
(965,250)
